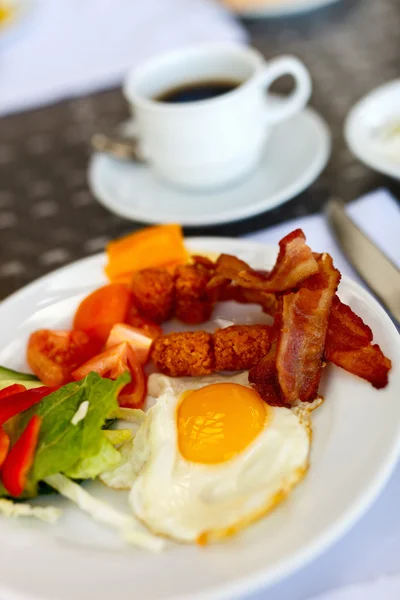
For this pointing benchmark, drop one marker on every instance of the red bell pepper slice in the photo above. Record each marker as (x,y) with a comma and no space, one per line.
(20,458)
(4,445)
(17,403)
(15,388)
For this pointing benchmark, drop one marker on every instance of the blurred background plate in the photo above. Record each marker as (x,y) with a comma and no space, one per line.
(15,16)
(256,9)
(372,129)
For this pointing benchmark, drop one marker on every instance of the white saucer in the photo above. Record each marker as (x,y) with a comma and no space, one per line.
(366,126)
(282,8)
(297,152)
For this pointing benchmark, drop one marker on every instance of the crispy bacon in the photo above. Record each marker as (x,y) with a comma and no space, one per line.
(203,261)
(368,363)
(226,269)
(301,343)
(348,345)
(263,378)
(268,302)
(346,330)
(294,264)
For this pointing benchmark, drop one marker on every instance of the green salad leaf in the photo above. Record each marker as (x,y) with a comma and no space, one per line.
(62,445)
(91,466)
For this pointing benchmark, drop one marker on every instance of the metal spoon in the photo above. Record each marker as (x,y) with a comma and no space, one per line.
(122,148)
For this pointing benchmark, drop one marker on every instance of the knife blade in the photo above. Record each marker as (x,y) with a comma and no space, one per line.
(379,273)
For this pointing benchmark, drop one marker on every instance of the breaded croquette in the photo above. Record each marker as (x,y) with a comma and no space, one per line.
(153,294)
(193,304)
(240,347)
(235,348)
(188,353)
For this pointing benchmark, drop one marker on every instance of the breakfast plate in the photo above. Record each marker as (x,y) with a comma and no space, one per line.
(276,8)
(372,129)
(297,152)
(356,443)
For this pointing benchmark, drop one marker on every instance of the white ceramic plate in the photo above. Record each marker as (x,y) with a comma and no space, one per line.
(355,447)
(296,153)
(280,8)
(364,123)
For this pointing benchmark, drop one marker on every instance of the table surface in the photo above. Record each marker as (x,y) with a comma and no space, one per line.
(48,216)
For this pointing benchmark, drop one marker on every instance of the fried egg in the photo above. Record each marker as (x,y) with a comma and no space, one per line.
(212,457)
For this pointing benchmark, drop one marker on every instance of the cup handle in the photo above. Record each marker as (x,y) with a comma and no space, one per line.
(298,98)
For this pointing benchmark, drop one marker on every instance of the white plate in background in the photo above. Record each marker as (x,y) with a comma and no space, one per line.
(356,444)
(366,129)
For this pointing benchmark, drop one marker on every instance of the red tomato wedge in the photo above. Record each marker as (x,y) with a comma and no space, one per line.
(53,355)
(14,404)
(104,307)
(4,446)
(147,326)
(15,388)
(20,458)
(136,338)
(112,363)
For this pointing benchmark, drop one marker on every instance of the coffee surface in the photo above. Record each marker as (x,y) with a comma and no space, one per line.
(193,92)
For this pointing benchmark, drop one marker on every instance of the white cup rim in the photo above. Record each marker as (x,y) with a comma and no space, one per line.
(136,99)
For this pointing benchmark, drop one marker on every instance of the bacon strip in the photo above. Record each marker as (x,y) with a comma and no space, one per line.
(301,343)
(294,264)
(348,345)
(268,302)
(264,379)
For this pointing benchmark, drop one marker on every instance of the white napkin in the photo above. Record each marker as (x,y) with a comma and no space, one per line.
(365,564)
(377,214)
(66,48)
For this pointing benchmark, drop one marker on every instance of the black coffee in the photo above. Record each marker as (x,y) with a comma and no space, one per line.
(193,92)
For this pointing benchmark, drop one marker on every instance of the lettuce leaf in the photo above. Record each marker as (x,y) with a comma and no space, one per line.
(62,445)
(130,529)
(48,514)
(91,466)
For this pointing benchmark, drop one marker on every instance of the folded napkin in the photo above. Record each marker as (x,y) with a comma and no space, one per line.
(358,567)
(69,47)
(377,214)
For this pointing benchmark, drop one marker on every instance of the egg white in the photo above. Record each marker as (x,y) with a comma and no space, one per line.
(189,501)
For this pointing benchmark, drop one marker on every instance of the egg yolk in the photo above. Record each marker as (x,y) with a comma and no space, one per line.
(217,422)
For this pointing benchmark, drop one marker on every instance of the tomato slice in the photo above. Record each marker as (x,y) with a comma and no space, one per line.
(112,363)
(136,338)
(147,326)
(104,307)
(53,355)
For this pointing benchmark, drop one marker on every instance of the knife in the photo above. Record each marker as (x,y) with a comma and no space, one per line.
(379,273)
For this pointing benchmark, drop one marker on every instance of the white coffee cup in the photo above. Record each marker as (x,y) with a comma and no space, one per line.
(214,142)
